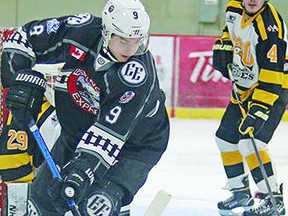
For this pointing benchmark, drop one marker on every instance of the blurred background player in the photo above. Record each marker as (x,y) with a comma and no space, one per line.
(254,42)
(114,125)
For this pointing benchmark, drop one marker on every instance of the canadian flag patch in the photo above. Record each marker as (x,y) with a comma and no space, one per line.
(77,53)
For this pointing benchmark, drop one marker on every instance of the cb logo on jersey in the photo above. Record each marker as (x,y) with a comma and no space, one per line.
(133,73)
(99,204)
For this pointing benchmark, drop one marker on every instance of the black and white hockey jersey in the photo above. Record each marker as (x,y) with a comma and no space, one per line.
(115,111)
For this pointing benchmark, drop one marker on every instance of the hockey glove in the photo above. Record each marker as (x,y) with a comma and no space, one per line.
(25,96)
(222,55)
(78,177)
(76,183)
(54,194)
(254,120)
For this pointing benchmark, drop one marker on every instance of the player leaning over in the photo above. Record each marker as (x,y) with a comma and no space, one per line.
(108,101)
(255,38)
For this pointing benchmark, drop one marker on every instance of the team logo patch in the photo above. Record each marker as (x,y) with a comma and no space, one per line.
(100,60)
(111,9)
(231,19)
(79,19)
(32,209)
(52,26)
(273,28)
(83,91)
(133,73)
(126,97)
(77,53)
(54,120)
(99,205)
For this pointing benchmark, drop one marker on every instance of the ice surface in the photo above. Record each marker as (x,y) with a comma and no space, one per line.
(191,170)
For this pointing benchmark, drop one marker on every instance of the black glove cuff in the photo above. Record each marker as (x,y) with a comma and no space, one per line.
(30,78)
(222,56)
(78,177)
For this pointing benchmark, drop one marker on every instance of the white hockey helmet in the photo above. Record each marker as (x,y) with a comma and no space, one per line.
(126,18)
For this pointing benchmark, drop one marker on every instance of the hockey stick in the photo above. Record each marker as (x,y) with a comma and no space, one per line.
(158,204)
(251,135)
(51,164)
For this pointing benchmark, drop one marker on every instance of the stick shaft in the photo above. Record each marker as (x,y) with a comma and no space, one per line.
(251,135)
(48,158)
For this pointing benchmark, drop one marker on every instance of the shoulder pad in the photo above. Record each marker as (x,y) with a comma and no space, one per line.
(270,23)
(79,19)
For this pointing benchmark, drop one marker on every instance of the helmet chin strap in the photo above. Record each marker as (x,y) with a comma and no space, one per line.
(109,54)
(252,14)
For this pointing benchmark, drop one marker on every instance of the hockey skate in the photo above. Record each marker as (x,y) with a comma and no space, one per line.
(241,197)
(265,207)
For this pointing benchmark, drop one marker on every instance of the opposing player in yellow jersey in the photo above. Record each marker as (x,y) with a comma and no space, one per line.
(254,43)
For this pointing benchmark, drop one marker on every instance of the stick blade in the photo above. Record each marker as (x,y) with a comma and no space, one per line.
(158,204)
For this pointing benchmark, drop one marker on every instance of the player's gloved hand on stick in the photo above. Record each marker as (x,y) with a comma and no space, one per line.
(256,116)
(25,96)
(222,55)
(76,183)
(77,178)
(54,194)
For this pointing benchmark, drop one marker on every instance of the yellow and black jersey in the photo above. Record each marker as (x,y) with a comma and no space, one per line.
(19,153)
(260,52)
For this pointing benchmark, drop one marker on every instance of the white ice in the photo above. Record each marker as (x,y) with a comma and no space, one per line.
(191,170)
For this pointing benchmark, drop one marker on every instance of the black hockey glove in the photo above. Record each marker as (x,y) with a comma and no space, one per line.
(78,177)
(76,183)
(222,55)
(254,120)
(54,194)
(25,96)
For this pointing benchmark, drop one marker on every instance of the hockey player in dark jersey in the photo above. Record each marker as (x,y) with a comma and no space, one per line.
(114,125)
(254,43)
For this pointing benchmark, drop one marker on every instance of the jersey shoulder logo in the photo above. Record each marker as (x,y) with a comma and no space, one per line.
(52,26)
(79,19)
(133,73)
